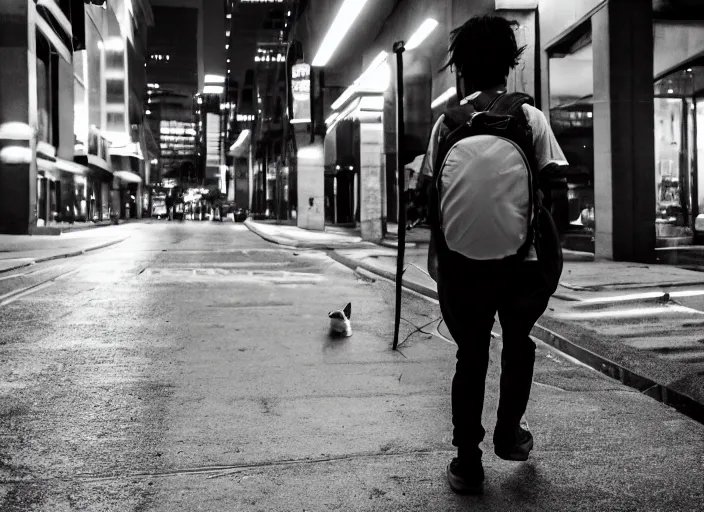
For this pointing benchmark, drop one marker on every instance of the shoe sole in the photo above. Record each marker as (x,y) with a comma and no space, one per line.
(515,453)
(462,488)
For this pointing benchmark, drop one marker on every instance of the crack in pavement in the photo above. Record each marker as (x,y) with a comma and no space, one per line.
(220,470)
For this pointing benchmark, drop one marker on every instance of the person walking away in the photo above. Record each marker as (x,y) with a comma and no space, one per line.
(494,248)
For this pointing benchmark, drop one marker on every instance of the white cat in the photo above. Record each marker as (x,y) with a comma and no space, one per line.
(340,321)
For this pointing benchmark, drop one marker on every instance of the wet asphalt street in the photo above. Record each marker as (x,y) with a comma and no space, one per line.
(189,368)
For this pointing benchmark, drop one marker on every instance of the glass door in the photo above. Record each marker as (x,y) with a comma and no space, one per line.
(678,185)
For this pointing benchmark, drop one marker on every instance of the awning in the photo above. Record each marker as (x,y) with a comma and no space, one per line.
(240,148)
(97,167)
(71,167)
(131,150)
(128,176)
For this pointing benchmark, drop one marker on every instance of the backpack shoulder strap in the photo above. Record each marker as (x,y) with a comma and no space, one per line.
(511,103)
(456,117)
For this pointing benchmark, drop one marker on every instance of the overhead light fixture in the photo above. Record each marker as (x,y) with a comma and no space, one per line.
(229,16)
(421,34)
(451,92)
(369,80)
(227,46)
(340,26)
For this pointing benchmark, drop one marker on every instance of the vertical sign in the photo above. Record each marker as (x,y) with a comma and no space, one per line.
(212,149)
(300,84)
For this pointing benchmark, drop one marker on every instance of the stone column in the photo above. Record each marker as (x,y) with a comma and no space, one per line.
(311,181)
(624,167)
(371,141)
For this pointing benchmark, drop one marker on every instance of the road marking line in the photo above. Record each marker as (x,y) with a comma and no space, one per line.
(3,278)
(26,292)
(14,295)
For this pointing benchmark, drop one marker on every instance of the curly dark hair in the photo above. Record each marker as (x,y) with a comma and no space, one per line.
(483,50)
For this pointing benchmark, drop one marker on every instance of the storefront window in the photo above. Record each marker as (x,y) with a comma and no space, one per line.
(571,118)
(678,180)
(44,116)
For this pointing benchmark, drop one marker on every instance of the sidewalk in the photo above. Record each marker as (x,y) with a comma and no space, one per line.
(615,317)
(17,251)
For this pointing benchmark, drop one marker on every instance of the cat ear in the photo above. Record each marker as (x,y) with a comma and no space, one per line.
(330,313)
(348,310)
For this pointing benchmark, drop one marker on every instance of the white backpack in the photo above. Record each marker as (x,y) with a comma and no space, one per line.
(485,187)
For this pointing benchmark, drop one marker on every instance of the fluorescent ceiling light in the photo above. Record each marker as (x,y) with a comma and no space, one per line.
(213,89)
(370,79)
(300,121)
(424,31)
(370,72)
(452,91)
(214,79)
(343,21)
(343,97)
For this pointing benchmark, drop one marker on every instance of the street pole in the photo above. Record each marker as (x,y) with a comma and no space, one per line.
(399,48)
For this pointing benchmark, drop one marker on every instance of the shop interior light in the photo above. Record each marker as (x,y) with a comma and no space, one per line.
(213,89)
(310,153)
(16,131)
(214,79)
(421,34)
(451,92)
(340,26)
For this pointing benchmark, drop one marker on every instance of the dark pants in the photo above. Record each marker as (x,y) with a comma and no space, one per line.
(470,296)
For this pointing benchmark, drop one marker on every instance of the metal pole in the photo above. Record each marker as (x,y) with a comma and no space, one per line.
(399,48)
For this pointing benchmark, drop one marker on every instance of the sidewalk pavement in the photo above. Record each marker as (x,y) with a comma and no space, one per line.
(640,324)
(17,251)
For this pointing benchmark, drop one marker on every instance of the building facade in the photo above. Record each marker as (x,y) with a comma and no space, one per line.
(620,81)
(71,126)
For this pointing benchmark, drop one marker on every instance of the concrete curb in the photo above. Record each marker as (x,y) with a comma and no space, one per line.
(353,264)
(660,392)
(290,243)
(72,254)
(26,262)
(394,245)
